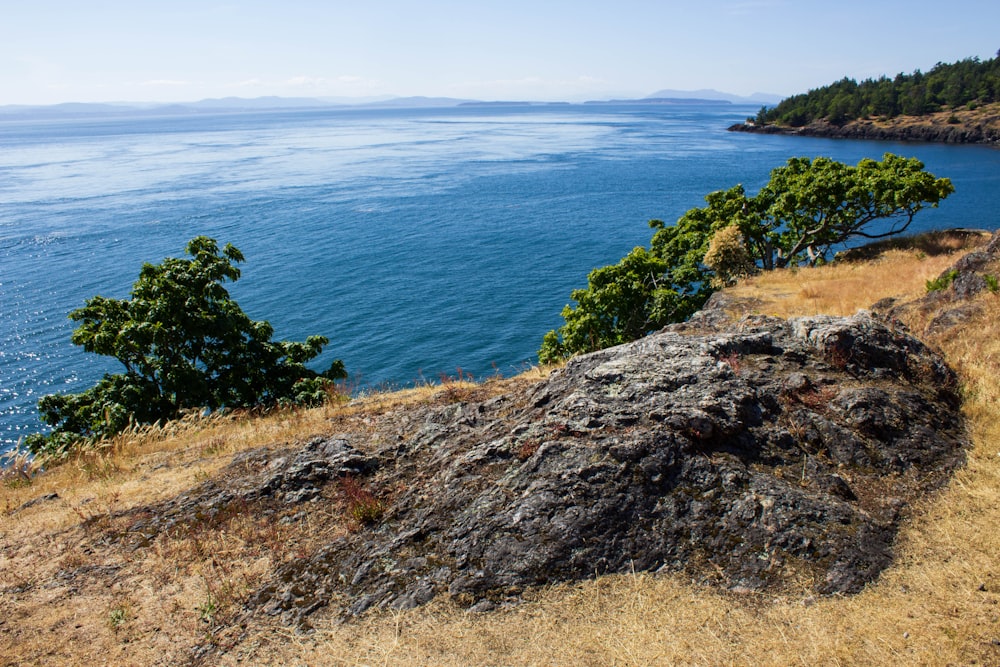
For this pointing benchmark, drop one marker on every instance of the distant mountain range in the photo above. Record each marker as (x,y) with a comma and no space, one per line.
(241,104)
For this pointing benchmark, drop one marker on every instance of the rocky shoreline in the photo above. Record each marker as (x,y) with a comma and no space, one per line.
(985,130)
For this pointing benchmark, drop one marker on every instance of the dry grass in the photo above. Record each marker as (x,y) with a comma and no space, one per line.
(938,605)
(987,116)
(79,588)
(842,288)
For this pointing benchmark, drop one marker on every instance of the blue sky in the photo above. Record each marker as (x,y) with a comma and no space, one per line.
(184,50)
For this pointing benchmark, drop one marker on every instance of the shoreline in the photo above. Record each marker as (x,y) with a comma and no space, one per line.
(978,127)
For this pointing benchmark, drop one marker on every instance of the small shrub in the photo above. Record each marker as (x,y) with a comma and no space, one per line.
(728,257)
(461,376)
(362,505)
(16,481)
(98,467)
(942,282)
(992,283)
(208,609)
(314,392)
(118,617)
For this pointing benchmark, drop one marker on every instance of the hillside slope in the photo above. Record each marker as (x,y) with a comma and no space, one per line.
(216,542)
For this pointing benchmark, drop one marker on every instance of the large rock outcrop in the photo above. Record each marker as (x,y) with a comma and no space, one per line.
(750,455)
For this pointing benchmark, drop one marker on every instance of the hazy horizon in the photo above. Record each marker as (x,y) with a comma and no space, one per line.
(704,94)
(109,51)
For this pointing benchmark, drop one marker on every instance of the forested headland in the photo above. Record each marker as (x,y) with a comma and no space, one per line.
(953,102)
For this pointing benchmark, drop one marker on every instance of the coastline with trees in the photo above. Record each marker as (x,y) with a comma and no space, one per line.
(952,103)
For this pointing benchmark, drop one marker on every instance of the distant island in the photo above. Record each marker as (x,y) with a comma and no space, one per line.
(661,100)
(953,103)
(225,105)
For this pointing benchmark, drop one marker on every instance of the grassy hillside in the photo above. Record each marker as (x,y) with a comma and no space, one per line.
(73,592)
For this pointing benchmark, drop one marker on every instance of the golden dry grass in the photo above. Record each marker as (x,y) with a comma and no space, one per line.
(842,288)
(938,605)
(986,115)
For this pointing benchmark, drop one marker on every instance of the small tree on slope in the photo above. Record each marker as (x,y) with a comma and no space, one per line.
(184,344)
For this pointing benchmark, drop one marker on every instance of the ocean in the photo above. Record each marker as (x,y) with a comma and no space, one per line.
(422,242)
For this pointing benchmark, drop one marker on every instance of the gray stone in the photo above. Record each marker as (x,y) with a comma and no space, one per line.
(745,454)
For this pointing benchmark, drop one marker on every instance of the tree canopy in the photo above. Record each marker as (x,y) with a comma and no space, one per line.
(808,208)
(966,83)
(184,344)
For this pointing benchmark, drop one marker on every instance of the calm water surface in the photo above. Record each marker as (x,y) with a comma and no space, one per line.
(418,241)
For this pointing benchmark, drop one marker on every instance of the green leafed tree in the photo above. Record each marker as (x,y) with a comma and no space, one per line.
(812,206)
(621,302)
(184,344)
(808,208)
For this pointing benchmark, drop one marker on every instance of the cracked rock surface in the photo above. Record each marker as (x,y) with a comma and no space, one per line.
(749,455)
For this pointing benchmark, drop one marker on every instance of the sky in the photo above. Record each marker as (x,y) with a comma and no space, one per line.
(54,51)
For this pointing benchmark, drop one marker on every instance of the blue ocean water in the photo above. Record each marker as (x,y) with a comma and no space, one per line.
(418,241)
